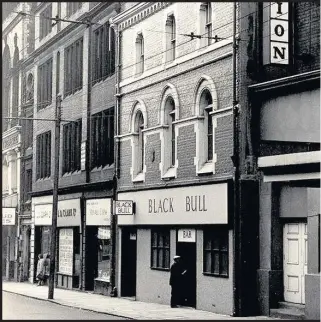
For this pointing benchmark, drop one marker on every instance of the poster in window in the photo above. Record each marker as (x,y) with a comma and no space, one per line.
(66,246)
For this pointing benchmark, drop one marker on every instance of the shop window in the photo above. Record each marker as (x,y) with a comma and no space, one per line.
(71,146)
(160,249)
(216,252)
(43,152)
(104,253)
(73,67)
(102,129)
(44,84)
(45,23)
(103,53)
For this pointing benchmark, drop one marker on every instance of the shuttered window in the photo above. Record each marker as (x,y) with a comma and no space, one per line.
(103,53)
(45,84)
(73,67)
(43,159)
(72,146)
(102,147)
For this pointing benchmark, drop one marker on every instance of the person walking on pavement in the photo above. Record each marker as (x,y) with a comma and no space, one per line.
(176,281)
(47,267)
(40,270)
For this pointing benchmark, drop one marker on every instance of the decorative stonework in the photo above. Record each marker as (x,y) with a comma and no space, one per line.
(137,18)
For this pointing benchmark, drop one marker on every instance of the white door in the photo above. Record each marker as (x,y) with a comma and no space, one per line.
(295,251)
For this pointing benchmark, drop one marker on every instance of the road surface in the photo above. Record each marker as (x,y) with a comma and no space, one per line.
(17,307)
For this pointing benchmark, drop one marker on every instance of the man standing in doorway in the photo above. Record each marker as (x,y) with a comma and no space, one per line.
(176,281)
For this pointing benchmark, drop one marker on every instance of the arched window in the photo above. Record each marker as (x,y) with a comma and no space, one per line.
(170,118)
(139,124)
(205,106)
(140,56)
(170,38)
(208,22)
(206,25)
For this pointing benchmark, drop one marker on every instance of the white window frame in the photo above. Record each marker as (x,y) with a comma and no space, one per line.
(136,171)
(170,30)
(140,54)
(167,169)
(203,165)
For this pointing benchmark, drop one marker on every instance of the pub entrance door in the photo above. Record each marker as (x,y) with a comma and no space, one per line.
(128,262)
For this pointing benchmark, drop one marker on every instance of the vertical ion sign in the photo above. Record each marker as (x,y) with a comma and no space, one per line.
(276,33)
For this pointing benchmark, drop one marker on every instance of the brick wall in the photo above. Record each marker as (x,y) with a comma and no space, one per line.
(192,63)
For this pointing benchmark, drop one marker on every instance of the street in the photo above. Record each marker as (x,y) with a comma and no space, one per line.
(17,307)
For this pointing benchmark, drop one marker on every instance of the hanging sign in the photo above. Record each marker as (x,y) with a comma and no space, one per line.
(124,207)
(8,216)
(276,33)
(98,212)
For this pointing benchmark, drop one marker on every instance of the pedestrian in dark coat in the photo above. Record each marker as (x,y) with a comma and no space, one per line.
(176,281)
(40,274)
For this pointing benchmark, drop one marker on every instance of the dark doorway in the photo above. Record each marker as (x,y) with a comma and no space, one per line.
(128,262)
(187,251)
(91,257)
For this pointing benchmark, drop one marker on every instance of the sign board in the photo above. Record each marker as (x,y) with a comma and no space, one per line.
(66,249)
(202,204)
(98,212)
(276,33)
(69,214)
(124,207)
(43,215)
(103,233)
(8,216)
(186,235)
(132,236)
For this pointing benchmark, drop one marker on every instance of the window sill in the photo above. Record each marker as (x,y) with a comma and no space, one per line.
(139,178)
(170,173)
(68,174)
(160,269)
(215,275)
(206,168)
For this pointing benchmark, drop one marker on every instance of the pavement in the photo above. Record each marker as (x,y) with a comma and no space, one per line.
(120,307)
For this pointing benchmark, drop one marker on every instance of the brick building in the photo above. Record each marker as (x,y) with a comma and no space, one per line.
(175,142)
(75,60)
(279,65)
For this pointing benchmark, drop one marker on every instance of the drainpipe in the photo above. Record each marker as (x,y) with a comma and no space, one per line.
(236,161)
(117,161)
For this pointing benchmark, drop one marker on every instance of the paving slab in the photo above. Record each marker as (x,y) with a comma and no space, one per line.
(116,306)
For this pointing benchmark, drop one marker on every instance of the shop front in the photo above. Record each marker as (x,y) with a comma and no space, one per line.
(69,235)
(98,245)
(192,222)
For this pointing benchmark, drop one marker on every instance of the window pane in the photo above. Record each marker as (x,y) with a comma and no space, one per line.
(207,262)
(160,258)
(160,240)
(224,241)
(216,242)
(224,263)
(216,264)
(167,258)
(154,239)
(154,257)
(207,242)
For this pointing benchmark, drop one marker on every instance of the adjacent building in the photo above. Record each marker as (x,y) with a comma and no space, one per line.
(16,46)
(75,62)
(280,85)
